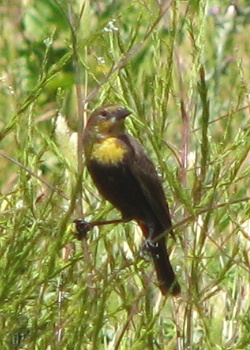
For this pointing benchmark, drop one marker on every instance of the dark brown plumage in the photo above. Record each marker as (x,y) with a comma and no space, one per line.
(125,175)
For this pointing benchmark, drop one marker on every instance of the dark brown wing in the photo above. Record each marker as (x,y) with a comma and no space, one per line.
(144,171)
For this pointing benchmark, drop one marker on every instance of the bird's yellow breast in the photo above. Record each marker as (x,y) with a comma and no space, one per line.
(109,151)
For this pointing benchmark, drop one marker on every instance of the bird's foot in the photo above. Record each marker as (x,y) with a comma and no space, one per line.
(149,245)
(82,228)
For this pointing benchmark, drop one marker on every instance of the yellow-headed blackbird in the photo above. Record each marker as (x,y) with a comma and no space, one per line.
(125,175)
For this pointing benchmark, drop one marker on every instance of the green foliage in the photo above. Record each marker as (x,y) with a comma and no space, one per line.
(182,67)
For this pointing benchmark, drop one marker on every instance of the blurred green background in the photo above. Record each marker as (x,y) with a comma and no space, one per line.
(183,69)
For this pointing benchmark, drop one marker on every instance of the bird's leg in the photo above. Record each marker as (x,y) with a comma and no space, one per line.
(82,226)
(149,245)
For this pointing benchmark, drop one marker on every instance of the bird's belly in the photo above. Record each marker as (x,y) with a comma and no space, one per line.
(120,187)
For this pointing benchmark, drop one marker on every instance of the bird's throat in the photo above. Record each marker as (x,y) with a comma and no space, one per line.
(110,151)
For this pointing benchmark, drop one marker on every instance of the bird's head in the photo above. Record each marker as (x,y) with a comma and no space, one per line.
(108,120)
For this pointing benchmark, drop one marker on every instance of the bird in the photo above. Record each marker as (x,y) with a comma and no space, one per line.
(125,176)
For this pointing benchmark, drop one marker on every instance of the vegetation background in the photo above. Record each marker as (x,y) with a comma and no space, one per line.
(183,69)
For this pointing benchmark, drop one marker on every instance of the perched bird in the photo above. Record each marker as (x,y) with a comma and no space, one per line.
(125,176)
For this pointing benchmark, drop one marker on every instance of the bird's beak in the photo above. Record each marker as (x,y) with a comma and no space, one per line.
(122,113)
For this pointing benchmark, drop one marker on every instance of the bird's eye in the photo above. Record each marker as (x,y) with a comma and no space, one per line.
(104,113)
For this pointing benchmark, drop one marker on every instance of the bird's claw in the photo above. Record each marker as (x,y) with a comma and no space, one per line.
(149,245)
(82,228)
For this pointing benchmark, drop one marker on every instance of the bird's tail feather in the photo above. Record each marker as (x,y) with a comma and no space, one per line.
(166,277)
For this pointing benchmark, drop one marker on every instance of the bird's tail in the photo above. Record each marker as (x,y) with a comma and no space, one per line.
(168,283)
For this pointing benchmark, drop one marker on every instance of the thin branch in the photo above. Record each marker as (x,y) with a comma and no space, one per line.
(32,173)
